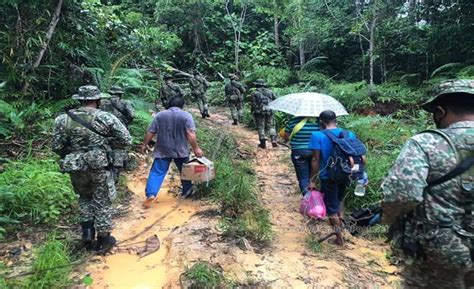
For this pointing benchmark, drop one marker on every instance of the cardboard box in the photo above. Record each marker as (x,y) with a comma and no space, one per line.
(198,170)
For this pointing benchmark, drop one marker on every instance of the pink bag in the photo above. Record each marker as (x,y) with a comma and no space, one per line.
(312,205)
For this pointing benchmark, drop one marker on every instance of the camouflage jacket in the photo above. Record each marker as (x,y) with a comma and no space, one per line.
(198,85)
(121,108)
(234,91)
(261,97)
(424,158)
(80,148)
(168,91)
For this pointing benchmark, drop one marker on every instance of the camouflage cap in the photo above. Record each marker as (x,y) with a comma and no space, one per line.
(115,89)
(167,76)
(233,76)
(89,92)
(259,82)
(449,87)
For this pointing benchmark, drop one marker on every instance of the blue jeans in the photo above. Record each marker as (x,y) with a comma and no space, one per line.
(158,172)
(301,159)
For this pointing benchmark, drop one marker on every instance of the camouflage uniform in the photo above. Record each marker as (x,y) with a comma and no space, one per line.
(199,85)
(84,155)
(124,111)
(263,116)
(428,223)
(234,91)
(169,90)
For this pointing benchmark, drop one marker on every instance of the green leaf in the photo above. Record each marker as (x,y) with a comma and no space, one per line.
(87,280)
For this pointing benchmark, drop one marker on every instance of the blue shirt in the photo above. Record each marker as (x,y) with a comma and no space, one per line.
(301,139)
(319,141)
(170,127)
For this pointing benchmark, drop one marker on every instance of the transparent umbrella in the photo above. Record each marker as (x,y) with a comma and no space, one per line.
(309,104)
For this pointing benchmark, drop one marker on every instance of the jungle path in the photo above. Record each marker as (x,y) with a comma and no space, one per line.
(189,232)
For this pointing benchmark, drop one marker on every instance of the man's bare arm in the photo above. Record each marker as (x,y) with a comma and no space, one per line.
(192,139)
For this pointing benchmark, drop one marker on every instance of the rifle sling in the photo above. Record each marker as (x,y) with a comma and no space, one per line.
(463,167)
(84,123)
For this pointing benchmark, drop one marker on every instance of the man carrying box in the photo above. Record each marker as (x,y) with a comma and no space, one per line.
(175,129)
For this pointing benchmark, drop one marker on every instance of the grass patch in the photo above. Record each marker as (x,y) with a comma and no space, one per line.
(34,192)
(53,254)
(313,245)
(205,275)
(233,190)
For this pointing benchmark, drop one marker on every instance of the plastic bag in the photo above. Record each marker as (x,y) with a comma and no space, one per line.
(312,205)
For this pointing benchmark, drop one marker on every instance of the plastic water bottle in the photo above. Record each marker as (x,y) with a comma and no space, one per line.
(361,184)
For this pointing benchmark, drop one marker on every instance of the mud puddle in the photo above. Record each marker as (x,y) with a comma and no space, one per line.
(124,268)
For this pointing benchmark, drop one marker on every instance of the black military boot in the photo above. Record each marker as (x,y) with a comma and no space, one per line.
(203,115)
(235,122)
(207,113)
(263,144)
(274,141)
(88,235)
(105,242)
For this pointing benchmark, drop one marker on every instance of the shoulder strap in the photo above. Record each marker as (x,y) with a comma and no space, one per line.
(298,127)
(330,135)
(84,123)
(461,168)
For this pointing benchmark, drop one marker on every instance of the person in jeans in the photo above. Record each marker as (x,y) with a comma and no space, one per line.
(175,130)
(298,132)
(334,192)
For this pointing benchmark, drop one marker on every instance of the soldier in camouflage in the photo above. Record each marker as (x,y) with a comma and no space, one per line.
(431,219)
(83,138)
(234,92)
(199,86)
(169,90)
(124,111)
(263,116)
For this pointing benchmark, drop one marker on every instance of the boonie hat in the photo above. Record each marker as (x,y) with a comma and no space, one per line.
(115,89)
(259,82)
(452,86)
(89,92)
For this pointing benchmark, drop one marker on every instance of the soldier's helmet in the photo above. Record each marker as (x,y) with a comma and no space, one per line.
(259,82)
(115,89)
(233,76)
(89,92)
(447,88)
(167,76)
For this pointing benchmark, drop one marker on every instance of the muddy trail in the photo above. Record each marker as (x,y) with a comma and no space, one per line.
(188,233)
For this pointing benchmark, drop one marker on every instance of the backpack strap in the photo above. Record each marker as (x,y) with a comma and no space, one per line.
(84,123)
(331,136)
(298,127)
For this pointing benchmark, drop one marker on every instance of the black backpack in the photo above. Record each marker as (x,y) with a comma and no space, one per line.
(347,159)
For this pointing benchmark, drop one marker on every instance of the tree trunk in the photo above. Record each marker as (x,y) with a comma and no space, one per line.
(371,53)
(236,53)
(276,25)
(196,37)
(302,57)
(46,40)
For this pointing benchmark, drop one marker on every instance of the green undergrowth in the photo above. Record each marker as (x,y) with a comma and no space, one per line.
(54,254)
(142,119)
(34,192)
(234,189)
(384,138)
(206,276)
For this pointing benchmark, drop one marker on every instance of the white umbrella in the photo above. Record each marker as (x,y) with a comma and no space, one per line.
(309,104)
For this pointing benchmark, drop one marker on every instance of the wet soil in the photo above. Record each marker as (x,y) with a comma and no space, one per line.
(189,231)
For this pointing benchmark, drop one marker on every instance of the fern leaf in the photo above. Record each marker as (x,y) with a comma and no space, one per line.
(447,67)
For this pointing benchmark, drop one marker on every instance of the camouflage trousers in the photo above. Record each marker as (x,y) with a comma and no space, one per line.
(236,110)
(426,274)
(265,125)
(119,161)
(96,192)
(201,101)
